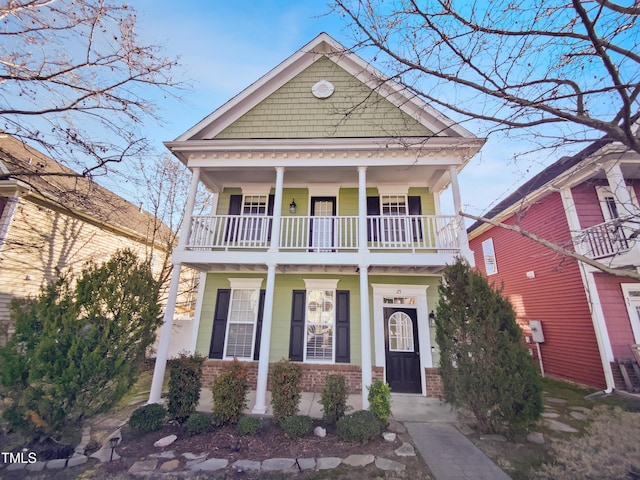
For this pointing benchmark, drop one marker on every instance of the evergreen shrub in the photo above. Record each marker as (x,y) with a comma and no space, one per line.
(185,382)
(333,399)
(380,401)
(285,389)
(297,426)
(148,418)
(484,364)
(361,426)
(198,423)
(248,426)
(230,390)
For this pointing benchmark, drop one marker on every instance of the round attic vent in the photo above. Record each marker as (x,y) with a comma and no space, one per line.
(322,89)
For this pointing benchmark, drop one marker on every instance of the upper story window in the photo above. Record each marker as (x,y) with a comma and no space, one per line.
(254,205)
(490,265)
(611,206)
(394,204)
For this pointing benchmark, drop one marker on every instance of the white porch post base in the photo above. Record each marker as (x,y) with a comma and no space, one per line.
(260,407)
(165,336)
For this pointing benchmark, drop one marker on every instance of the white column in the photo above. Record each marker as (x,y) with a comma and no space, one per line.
(365,317)
(188,209)
(362,210)
(619,190)
(260,406)
(463,240)
(277,211)
(365,335)
(169,311)
(591,291)
(165,335)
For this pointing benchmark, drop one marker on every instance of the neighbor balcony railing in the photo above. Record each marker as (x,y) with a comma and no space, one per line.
(324,234)
(607,239)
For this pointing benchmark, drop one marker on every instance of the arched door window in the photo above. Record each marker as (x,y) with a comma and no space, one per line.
(400,332)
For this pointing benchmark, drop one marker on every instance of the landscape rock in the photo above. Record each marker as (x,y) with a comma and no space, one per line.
(550,415)
(278,464)
(36,467)
(406,450)
(389,436)
(559,426)
(397,427)
(170,466)
(578,415)
(244,465)
(358,460)
(327,463)
(306,463)
(193,456)
(57,464)
(557,401)
(210,465)
(143,466)
(389,465)
(536,437)
(168,454)
(165,441)
(77,460)
(320,432)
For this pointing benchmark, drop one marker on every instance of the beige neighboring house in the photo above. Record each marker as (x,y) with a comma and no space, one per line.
(58,222)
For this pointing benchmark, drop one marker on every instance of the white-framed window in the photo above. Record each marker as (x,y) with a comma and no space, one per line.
(489,254)
(611,209)
(320,320)
(242,318)
(631,292)
(394,227)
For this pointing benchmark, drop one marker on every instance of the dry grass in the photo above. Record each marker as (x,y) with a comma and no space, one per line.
(609,449)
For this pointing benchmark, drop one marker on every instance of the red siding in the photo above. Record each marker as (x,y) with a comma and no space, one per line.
(555,296)
(615,313)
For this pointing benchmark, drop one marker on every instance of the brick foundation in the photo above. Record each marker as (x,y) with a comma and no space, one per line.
(313,375)
(434,382)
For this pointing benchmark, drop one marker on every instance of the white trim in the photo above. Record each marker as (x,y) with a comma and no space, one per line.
(320,284)
(7,216)
(256,189)
(633,315)
(592,294)
(246,283)
(323,190)
(422,312)
(389,190)
(198,313)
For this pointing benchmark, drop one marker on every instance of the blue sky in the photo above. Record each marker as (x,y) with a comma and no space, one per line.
(224,46)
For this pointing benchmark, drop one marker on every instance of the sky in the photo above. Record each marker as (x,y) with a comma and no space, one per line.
(224,46)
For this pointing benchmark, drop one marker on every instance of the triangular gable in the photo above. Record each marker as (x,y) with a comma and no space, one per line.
(324,56)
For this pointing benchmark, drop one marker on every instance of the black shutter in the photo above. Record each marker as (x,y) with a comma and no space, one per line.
(270,203)
(296,340)
(235,208)
(220,323)
(415,208)
(373,208)
(256,348)
(343,350)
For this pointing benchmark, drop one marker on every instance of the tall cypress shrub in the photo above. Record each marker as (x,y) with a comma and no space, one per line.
(483,363)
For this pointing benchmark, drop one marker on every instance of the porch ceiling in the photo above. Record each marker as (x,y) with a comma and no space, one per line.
(332,269)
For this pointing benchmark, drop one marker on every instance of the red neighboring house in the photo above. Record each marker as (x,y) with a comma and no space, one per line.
(589,320)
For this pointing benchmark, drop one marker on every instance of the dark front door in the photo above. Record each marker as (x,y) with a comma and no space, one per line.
(323,211)
(402,350)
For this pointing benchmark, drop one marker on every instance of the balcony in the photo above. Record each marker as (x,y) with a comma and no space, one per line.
(614,238)
(408,234)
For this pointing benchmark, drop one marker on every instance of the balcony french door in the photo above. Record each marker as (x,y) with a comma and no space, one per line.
(321,235)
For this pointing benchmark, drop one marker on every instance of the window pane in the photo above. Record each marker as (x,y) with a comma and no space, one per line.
(243,314)
(320,320)
(400,332)
(490,264)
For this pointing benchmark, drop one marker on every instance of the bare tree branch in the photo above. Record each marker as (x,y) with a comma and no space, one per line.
(618,272)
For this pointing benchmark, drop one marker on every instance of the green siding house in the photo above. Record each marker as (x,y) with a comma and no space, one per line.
(325,243)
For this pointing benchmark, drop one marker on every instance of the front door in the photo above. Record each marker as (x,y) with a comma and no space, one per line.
(402,350)
(323,211)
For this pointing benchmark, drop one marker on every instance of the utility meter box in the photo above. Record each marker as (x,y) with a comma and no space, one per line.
(536,331)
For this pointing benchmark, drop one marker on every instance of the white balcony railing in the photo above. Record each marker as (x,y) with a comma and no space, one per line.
(324,234)
(607,239)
